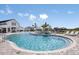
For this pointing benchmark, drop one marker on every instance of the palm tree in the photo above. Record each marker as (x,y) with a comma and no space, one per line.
(44,26)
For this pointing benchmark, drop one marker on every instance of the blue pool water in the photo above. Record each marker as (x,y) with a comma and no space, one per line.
(39,42)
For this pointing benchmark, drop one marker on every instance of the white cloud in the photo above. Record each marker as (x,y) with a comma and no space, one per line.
(2,11)
(70,12)
(26,14)
(20,14)
(8,10)
(32,17)
(43,16)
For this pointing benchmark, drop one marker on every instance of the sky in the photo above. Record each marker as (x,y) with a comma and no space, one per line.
(57,15)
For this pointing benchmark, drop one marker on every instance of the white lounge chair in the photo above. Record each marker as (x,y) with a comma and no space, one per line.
(73,33)
(70,33)
(67,32)
(77,32)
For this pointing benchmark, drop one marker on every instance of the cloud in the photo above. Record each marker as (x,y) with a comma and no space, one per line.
(70,12)
(2,11)
(20,14)
(26,14)
(8,10)
(43,16)
(32,17)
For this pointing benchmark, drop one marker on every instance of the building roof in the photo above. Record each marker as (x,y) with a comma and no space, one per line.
(6,20)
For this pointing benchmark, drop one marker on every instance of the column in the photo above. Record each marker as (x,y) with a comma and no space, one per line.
(10,30)
(6,30)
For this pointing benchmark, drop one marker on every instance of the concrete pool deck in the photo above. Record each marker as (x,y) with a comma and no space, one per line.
(7,49)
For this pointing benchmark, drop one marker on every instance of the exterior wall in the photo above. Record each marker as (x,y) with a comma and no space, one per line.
(10,26)
(13,23)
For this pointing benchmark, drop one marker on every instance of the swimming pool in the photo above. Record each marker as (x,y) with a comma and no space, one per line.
(39,42)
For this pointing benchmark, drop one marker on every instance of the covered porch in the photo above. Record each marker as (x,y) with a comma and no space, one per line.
(7,29)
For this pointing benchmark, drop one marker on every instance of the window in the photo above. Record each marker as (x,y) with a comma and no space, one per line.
(13,23)
(3,23)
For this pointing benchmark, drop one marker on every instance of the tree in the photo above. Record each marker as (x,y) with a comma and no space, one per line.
(46,27)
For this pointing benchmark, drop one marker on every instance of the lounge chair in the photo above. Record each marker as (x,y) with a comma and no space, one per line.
(77,32)
(73,33)
(67,32)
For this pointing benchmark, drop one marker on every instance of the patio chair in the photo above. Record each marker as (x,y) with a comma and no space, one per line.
(73,33)
(77,32)
(67,32)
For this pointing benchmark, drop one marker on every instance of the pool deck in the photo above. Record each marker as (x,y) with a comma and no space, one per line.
(7,49)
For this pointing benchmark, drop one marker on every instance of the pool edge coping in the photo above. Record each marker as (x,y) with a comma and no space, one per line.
(43,52)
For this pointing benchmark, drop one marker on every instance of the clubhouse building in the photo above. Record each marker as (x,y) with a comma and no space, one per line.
(10,25)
